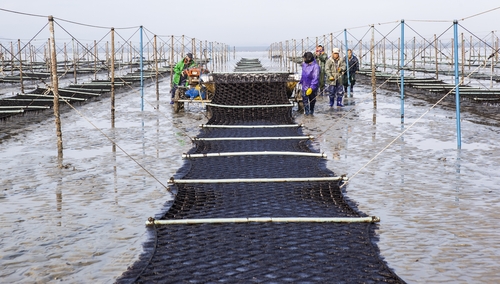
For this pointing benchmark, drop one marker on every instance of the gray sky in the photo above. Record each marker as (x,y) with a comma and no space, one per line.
(243,22)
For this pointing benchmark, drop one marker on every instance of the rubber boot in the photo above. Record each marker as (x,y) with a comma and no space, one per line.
(339,101)
(307,106)
(332,100)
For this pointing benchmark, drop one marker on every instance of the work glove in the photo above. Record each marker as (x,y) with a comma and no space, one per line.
(309,91)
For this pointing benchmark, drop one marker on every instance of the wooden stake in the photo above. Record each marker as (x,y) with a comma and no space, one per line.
(112,67)
(55,90)
(436,56)
(155,56)
(20,65)
(372,60)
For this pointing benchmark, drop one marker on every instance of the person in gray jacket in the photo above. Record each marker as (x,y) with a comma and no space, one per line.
(334,69)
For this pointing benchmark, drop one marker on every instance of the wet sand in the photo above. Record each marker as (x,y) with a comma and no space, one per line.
(85,222)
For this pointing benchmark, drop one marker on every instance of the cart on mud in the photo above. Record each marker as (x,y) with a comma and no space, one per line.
(198,90)
(201,89)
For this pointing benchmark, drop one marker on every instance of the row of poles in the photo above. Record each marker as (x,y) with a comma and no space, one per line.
(214,54)
(432,53)
(455,57)
(30,57)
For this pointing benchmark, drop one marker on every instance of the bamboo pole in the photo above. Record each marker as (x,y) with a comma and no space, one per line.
(131,56)
(215,55)
(11,58)
(496,53)
(193,47)
(399,55)
(249,126)
(262,153)
(302,46)
(252,180)
(75,55)
(331,42)
(295,67)
(250,106)
(55,90)
(392,55)
(309,137)
(112,68)
(452,51)
(87,54)
(414,55)
(46,55)
(201,51)
(95,59)
(205,53)
(155,56)
(470,52)
(371,219)
(31,55)
(147,51)
(122,56)
(360,53)
(492,58)
(19,52)
(423,51)
(65,57)
(2,57)
(485,51)
(171,62)
(281,55)
(383,54)
(462,47)
(372,60)
(287,58)
(183,46)
(436,56)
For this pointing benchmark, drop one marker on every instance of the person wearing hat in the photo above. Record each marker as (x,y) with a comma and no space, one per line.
(180,73)
(335,66)
(309,82)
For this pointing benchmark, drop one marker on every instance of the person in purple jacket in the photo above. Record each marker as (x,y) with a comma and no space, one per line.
(309,82)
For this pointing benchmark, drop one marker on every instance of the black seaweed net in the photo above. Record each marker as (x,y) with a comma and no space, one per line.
(258,252)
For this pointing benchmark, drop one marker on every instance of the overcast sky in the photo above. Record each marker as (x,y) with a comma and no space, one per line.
(242,22)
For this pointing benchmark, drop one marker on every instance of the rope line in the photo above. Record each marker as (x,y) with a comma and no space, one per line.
(21,13)
(409,127)
(475,15)
(112,141)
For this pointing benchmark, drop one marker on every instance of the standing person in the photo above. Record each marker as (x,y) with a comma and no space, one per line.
(309,82)
(335,67)
(353,69)
(180,73)
(321,58)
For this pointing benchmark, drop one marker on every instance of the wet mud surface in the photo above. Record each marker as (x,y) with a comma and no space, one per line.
(84,222)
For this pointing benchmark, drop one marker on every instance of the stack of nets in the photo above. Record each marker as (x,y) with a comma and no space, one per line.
(265,252)
(249,65)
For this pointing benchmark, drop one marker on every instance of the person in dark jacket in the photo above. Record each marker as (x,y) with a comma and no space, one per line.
(309,82)
(321,58)
(353,69)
